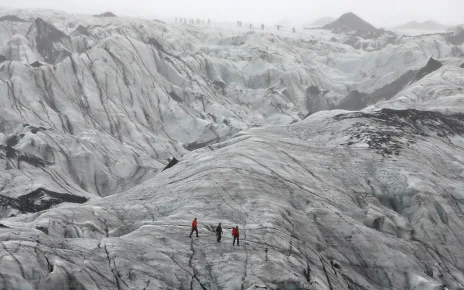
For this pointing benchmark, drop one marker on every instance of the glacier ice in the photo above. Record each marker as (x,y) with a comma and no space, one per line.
(116,132)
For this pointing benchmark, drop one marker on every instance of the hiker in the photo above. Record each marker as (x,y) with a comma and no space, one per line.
(236,235)
(294,30)
(219,232)
(262,26)
(194,227)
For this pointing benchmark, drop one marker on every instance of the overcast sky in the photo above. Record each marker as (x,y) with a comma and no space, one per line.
(377,12)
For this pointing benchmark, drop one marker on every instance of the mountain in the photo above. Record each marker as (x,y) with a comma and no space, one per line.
(322,22)
(106,14)
(426,25)
(116,132)
(352,22)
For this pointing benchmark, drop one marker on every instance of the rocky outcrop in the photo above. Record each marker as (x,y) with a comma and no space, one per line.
(353,101)
(431,66)
(38,200)
(53,44)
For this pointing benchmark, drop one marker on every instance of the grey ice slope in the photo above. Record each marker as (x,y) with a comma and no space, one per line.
(377,192)
(96,105)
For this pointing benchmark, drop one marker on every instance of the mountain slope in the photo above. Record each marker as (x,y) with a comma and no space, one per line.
(426,25)
(351,21)
(127,129)
(120,95)
(340,200)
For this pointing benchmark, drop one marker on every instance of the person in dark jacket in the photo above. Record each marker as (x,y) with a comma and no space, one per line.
(236,235)
(194,227)
(219,233)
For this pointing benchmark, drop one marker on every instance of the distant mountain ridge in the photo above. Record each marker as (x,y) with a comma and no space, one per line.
(426,25)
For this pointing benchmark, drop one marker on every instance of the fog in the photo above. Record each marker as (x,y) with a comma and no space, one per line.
(378,12)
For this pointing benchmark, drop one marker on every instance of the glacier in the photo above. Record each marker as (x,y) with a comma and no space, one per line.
(339,157)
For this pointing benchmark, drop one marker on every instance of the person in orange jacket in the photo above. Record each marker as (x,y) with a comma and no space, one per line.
(194,227)
(236,235)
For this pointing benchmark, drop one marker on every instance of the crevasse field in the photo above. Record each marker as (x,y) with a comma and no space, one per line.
(338,152)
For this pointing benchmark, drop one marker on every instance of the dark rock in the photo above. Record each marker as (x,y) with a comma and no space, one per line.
(387,92)
(3,58)
(12,141)
(47,36)
(353,101)
(81,30)
(315,100)
(2,226)
(12,18)
(197,145)
(357,101)
(106,14)
(431,66)
(456,38)
(37,64)
(175,97)
(173,162)
(39,200)
(43,230)
(387,141)
(462,65)
(313,90)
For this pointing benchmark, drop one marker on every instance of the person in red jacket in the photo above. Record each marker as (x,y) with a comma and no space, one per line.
(194,227)
(236,235)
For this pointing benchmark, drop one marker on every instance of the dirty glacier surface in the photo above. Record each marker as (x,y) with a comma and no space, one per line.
(92,108)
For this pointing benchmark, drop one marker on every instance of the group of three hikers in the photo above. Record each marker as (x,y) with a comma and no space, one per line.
(219,232)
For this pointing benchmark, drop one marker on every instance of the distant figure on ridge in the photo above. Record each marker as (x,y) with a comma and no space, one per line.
(262,26)
(219,233)
(294,30)
(251,26)
(194,227)
(236,235)
(278,27)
